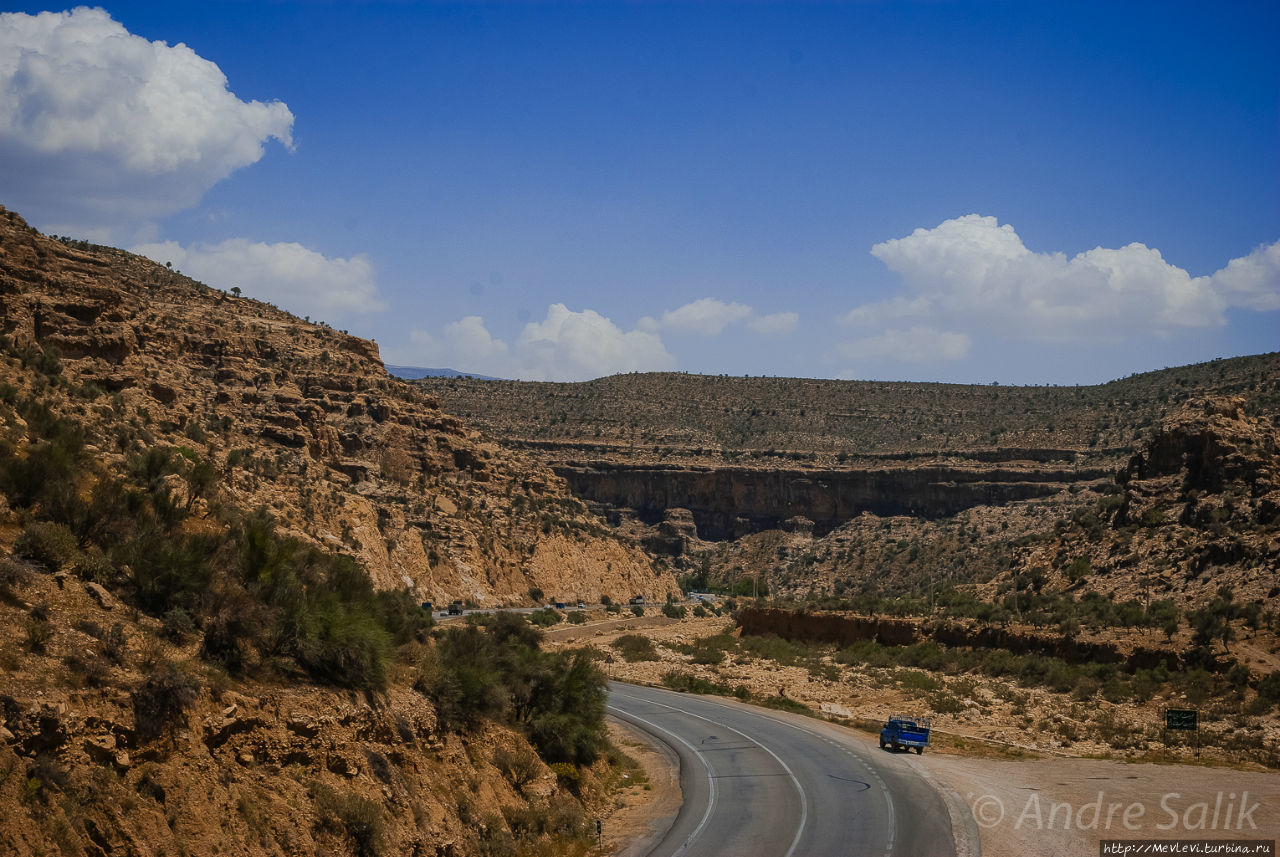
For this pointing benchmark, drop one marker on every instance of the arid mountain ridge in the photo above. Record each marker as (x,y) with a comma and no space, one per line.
(304,421)
(827,487)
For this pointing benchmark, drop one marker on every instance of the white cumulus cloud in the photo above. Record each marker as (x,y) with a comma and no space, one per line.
(975,274)
(709,317)
(1252,281)
(774,324)
(466,342)
(705,316)
(102,131)
(287,274)
(565,346)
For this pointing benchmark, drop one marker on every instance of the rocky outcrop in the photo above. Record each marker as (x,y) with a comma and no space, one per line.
(842,629)
(727,503)
(300,419)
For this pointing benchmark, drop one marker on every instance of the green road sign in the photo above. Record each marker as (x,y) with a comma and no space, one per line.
(1180,718)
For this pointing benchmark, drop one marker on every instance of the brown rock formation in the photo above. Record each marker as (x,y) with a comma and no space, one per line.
(303,420)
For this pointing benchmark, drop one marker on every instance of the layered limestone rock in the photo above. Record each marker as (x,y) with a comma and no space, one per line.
(302,420)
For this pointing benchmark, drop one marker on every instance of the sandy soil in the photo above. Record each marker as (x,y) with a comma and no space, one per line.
(642,812)
(1066,806)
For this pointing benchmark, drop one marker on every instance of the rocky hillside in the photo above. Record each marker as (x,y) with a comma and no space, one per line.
(216,526)
(749,455)
(299,419)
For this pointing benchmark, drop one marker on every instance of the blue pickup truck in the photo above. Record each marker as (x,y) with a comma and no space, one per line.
(905,732)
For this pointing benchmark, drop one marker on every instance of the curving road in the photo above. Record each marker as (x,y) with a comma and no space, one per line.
(762,783)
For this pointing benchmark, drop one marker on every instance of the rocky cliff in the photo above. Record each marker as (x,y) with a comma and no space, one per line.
(302,420)
(728,503)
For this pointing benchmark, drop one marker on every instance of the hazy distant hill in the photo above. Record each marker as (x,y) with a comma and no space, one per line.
(415,373)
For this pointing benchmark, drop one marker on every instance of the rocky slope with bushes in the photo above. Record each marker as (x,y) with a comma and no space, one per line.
(297,418)
(217,522)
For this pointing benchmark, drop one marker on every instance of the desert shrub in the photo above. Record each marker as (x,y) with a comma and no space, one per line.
(39,631)
(556,698)
(520,767)
(113,643)
(708,651)
(342,645)
(783,703)
(546,617)
(169,569)
(565,716)
(161,702)
(1085,688)
(1269,687)
(918,681)
(47,544)
(13,575)
(461,677)
(773,648)
(577,618)
(348,813)
(945,702)
(1144,685)
(402,615)
(635,647)
(234,633)
(686,683)
(178,625)
(26,481)
(90,669)
(95,567)
(700,612)
(637,610)
(673,611)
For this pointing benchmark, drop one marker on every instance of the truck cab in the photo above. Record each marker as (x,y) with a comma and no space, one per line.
(902,732)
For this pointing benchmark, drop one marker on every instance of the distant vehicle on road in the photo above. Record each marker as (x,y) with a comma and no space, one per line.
(639,599)
(427,606)
(582,605)
(559,605)
(455,608)
(905,732)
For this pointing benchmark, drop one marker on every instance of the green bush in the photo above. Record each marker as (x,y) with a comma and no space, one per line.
(546,617)
(557,698)
(637,610)
(577,618)
(178,625)
(686,683)
(47,544)
(635,648)
(673,611)
(783,703)
(342,644)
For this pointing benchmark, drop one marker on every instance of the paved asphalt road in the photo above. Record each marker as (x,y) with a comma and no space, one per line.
(762,783)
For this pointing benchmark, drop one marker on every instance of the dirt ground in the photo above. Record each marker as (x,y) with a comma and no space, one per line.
(1066,806)
(1021,783)
(644,811)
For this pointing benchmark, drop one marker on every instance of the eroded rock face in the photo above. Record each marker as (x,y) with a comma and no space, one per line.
(727,503)
(302,420)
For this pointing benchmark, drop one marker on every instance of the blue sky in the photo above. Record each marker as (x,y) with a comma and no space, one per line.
(972,192)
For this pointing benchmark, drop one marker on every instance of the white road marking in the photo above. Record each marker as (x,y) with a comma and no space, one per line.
(804,801)
(711,798)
